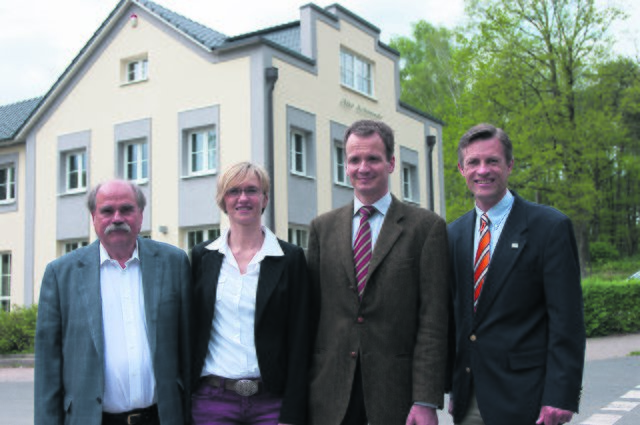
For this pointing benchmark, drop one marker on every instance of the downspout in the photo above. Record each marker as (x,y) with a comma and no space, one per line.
(431,142)
(271,76)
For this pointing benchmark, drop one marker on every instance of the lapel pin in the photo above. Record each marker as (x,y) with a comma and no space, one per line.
(514,245)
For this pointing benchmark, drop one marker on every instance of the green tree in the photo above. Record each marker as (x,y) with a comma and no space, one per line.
(540,69)
(531,62)
(614,93)
(434,75)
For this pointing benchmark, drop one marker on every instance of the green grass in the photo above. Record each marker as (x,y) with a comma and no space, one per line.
(599,280)
(615,270)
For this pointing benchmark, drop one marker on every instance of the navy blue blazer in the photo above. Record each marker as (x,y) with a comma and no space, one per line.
(281,323)
(524,347)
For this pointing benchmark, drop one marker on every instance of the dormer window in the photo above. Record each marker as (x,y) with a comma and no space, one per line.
(135,69)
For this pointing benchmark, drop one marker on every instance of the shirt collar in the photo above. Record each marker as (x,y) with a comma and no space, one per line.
(381,205)
(270,246)
(496,212)
(105,257)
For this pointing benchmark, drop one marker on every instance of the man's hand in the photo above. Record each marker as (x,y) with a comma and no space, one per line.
(450,409)
(422,415)
(554,416)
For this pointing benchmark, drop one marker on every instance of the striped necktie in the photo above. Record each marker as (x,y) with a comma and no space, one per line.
(483,255)
(362,248)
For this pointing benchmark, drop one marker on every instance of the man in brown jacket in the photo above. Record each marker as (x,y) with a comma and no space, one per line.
(379,298)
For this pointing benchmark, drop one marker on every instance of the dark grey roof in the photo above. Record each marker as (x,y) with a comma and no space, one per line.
(199,32)
(288,38)
(13,116)
(287,35)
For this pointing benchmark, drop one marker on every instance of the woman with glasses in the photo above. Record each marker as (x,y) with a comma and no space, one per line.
(250,350)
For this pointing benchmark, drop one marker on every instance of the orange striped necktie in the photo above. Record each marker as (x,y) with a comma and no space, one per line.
(483,256)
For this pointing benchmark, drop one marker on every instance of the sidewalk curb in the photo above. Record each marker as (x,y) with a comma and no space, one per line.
(17,360)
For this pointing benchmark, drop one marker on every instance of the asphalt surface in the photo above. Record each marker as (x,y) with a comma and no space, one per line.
(611,386)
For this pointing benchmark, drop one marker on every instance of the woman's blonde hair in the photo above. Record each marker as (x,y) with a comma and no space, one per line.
(236,174)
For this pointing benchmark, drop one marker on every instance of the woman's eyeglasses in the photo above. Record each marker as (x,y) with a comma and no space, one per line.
(250,192)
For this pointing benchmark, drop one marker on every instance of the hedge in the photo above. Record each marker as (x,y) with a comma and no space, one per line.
(611,308)
(18,330)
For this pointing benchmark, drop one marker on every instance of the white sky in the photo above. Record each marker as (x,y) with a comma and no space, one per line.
(40,38)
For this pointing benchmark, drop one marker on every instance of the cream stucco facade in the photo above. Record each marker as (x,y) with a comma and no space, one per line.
(252,95)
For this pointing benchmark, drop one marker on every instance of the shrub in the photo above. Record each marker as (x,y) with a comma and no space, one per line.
(18,330)
(602,252)
(611,307)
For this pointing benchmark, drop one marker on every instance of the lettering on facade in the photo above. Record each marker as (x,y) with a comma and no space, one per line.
(362,110)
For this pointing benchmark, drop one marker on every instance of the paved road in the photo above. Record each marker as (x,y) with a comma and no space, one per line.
(611,387)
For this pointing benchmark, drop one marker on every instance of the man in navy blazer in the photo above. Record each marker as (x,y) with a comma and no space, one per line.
(518,336)
(112,343)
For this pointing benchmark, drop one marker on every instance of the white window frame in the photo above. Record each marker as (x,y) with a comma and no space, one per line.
(301,152)
(408,176)
(207,156)
(80,157)
(5,281)
(136,70)
(356,72)
(139,161)
(340,175)
(71,245)
(194,236)
(299,235)
(8,183)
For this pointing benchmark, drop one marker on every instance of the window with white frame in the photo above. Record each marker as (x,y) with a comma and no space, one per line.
(339,165)
(136,161)
(196,236)
(5,281)
(356,72)
(68,246)
(7,183)
(299,236)
(136,70)
(409,186)
(203,151)
(75,171)
(298,152)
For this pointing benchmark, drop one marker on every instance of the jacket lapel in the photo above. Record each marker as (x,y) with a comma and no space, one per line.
(389,234)
(512,242)
(88,285)
(344,244)
(271,268)
(208,282)
(463,255)
(152,271)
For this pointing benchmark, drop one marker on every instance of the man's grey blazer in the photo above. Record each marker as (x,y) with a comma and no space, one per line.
(69,360)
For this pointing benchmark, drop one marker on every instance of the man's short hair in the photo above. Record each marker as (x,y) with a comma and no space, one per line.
(365,128)
(238,173)
(485,131)
(141,200)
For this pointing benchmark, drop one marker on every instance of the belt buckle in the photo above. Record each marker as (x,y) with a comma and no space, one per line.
(246,387)
(133,418)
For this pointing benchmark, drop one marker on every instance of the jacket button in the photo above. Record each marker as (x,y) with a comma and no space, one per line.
(467,369)
(354,354)
(472,338)
(360,319)
(99,400)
